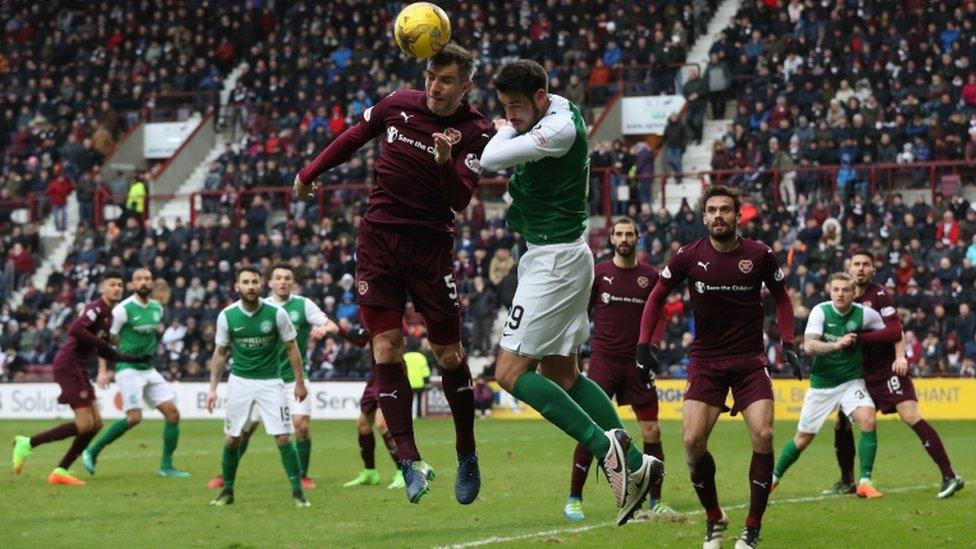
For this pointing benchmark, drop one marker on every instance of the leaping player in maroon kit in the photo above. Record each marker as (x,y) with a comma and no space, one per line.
(726,274)
(890,385)
(428,168)
(87,334)
(620,288)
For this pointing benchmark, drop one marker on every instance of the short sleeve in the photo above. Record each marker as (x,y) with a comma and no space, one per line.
(119,317)
(222,337)
(314,314)
(873,320)
(285,328)
(815,322)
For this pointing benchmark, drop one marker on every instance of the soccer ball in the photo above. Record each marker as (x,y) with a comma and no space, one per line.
(422,30)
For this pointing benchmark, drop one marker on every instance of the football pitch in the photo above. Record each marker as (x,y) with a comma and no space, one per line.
(525,468)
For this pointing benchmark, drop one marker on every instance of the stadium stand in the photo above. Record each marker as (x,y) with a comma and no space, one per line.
(821,93)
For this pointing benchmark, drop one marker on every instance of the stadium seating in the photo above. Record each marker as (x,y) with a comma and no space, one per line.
(311,71)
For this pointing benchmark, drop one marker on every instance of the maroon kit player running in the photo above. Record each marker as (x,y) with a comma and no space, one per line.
(890,385)
(427,169)
(87,334)
(725,274)
(620,288)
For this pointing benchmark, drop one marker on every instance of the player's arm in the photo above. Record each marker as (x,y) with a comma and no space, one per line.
(775,280)
(341,148)
(119,318)
(652,318)
(217,363)
(459,176)
(900,365)
(80,329)
(219,359)
(553,136)
(880,328)
(323,326)
(287,333)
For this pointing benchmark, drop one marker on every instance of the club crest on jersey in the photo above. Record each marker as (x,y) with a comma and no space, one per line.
(642,281)
(745,266)
(391,134)
(266,327)
(453,135)
(851,326)
(362,287)
(605,297)
(700,287)
(293,315)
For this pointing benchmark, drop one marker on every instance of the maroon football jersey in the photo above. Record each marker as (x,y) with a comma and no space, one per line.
(408,182)
(878,357)
(96,318)
(617,303)
(726,295)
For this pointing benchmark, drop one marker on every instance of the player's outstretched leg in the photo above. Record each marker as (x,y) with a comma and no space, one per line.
(932,442)
(582,459)
(114,431)
(171,438)
(23,445)
(620,460)
(89,422)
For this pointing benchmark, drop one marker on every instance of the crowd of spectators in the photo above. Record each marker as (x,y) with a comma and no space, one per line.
(313,69)
(837,83)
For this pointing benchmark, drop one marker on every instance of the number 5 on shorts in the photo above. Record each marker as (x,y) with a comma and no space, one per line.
(452,286)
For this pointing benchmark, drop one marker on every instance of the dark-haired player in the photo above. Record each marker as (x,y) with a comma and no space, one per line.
(88,334)
(427,169)
(620,288)
(726,274)
(543,137)
(890,385)
(254,332)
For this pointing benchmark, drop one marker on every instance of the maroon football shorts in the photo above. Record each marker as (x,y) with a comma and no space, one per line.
(709,381)
(369,402)
(618,377)
(76,389)
(887,392)
(401,261)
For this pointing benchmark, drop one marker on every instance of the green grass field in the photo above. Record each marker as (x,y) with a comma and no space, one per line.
(525,466)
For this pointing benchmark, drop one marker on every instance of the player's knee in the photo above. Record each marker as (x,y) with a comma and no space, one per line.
(282,439)
(172,416)
(448,357)
(763,436)
(695,444)
(650,431)
(133,417)
(301,430)
(362,425)
(233,442)
(387,349)
(868,423)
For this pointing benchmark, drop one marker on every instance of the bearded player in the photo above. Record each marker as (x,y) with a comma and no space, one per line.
(88,334)
(726,274)
(890,385)
(620,288)
(428,168)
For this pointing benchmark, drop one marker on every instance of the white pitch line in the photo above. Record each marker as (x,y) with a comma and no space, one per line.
(579,529)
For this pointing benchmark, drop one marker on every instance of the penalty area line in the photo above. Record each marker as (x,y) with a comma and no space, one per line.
(579,529)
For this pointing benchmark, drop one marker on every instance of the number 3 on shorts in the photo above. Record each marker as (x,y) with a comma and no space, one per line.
(452,286)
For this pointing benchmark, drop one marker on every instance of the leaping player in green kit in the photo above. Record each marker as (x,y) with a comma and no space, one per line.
(255,331)
(135,323)
(544,140)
